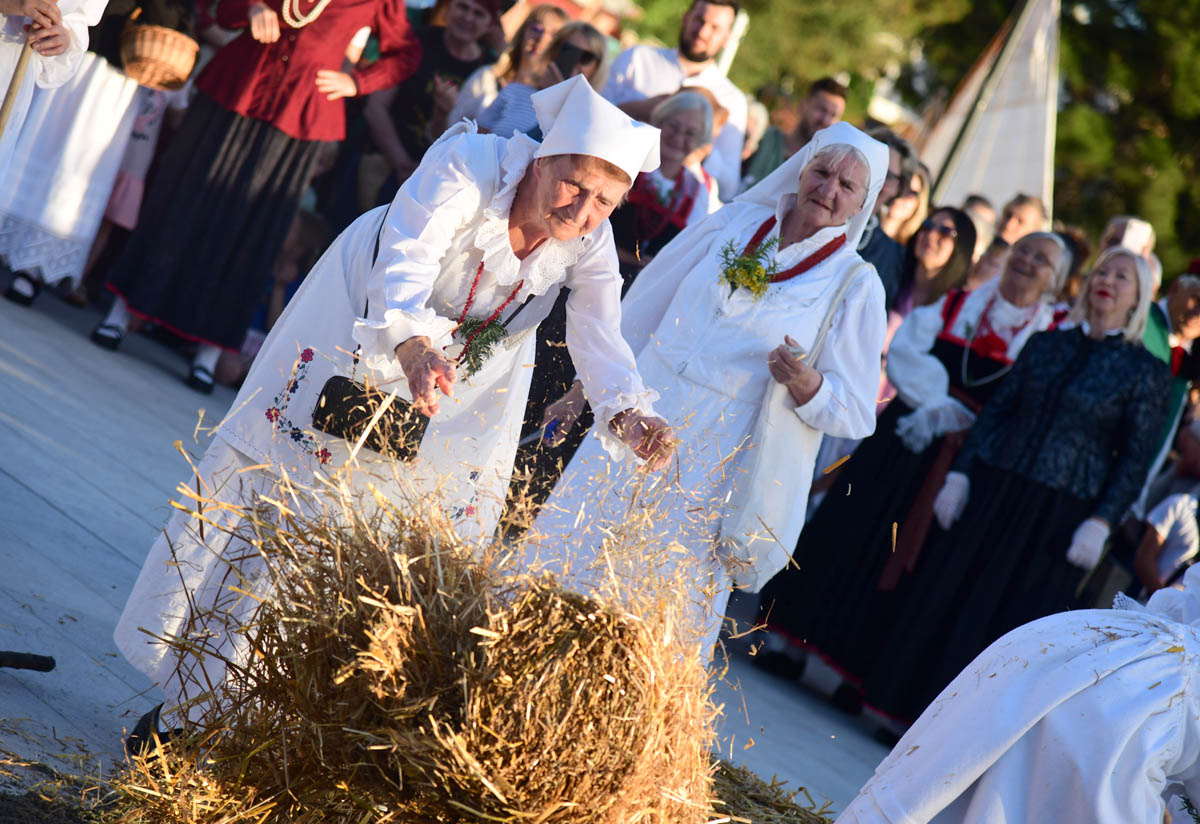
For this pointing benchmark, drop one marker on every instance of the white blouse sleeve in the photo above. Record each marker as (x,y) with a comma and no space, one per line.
(603,360)
(443,194)
(913,369)
(849,363)
(77,16)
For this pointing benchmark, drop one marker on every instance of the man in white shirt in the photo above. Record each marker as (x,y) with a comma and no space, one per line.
(644,75)
(1172,540)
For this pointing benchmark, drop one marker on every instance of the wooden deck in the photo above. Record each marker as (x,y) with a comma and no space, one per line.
(88,465)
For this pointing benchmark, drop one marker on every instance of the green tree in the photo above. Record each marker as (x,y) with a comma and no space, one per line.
(807,39)
(1129,119)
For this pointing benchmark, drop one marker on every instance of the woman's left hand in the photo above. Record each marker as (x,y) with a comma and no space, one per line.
(335,85)
(793,372)
(1088,542)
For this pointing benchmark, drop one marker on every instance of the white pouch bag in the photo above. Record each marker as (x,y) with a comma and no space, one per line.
(766,512)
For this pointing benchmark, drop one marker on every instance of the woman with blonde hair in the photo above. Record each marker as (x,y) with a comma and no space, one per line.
(577,48)
(1054,459)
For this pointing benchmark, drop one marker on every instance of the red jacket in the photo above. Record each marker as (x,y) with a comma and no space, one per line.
(276,82)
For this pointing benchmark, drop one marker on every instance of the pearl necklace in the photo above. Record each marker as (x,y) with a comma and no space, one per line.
(293,17)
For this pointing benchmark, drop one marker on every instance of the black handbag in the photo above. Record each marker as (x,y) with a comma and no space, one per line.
(346,408)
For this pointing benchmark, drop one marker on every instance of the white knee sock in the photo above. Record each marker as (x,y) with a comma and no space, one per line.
(206,357)
(118,315)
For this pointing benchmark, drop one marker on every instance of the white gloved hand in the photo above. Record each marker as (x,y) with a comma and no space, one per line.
(918,429)
(1087,544)
(949,503)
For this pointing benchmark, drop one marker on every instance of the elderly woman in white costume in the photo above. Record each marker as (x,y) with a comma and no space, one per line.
(1085,717)
(486,228)
(723,356)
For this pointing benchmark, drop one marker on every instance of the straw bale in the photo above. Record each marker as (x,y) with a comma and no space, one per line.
(393,676)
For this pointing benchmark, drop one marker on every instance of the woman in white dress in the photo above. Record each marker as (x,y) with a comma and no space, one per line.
(485,228)
(1084,717)
(714,353)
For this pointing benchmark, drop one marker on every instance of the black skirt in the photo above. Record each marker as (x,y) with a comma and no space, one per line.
(212,223)
(830,601)
(1001,565)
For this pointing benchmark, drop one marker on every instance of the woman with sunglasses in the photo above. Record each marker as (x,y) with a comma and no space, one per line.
(578,48)
(945,361)
(528,48)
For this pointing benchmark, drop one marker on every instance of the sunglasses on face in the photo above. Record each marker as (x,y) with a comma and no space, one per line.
(942,229)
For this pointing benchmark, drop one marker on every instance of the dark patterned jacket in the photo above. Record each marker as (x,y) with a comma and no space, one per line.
(1078,415)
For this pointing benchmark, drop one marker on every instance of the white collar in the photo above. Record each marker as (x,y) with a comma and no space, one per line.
(548,263)
(1086,328)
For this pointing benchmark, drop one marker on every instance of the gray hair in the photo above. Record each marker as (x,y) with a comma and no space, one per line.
(1065,258)
(685,101)
(1135,327)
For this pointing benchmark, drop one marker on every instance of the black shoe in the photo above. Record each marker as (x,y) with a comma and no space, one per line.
(848,699)
(108,336)
(201,379)
(146,735)
(786,664)
(18,297)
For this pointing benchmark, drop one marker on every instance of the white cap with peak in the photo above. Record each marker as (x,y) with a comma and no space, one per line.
(577,120)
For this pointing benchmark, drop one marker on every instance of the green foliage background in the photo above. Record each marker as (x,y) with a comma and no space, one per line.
(1129,125)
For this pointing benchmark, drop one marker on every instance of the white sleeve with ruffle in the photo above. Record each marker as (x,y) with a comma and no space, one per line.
(844,405)
(602,357)
(77,16)
(913,369)
(442,195)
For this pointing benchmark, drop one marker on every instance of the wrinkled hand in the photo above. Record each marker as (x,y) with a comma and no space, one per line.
(949,503)
(794,372)
(264,22)
(49,41)
(1087,544)
(44,13)
(428,371)
(650,438)
(335,85)
(566,410)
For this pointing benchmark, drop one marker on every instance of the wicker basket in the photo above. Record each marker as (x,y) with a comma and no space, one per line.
(156,56)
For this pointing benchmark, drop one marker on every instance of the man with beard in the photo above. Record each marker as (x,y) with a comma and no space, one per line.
(823,106)
(644,76)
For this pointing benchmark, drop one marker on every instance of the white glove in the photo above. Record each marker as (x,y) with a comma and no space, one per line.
(1087,544)
(949,503)
(917,429)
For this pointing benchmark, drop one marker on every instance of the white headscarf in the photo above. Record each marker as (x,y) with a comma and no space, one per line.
(783,181)
(576,120)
